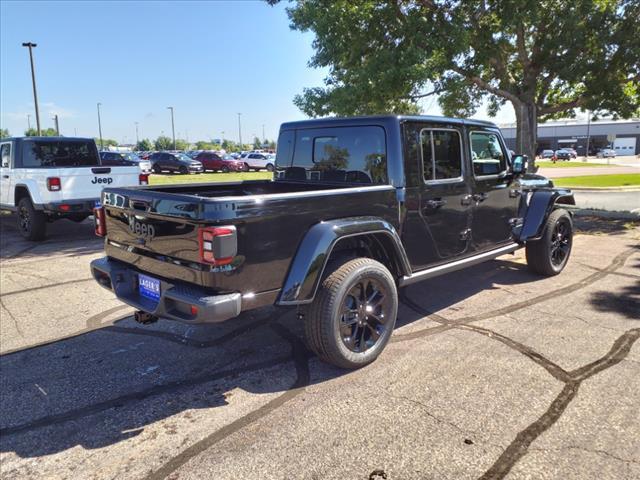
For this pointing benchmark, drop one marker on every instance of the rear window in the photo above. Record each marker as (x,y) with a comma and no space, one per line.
(59,154)
(339,155)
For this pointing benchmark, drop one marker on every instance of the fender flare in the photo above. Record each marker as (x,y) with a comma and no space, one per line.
(313,254)
(535,208)
(31,187)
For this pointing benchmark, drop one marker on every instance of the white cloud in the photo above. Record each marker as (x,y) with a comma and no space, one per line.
(51,109)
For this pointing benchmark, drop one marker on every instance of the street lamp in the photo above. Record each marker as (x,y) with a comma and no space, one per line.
(173,128)
(239,131)
(137,139)
(31,46)
(55,119)
(263,137)
(100,127)
(29,121)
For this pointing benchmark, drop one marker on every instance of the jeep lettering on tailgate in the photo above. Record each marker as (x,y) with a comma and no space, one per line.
(107,180)
(141,229)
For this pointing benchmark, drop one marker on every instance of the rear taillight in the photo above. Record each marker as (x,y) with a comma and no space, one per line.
(143,179)
(100,221)
(218,245)
(54,184)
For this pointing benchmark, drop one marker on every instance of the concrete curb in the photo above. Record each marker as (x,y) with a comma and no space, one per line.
(612,215)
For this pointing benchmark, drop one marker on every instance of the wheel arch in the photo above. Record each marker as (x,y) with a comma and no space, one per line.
(336,240)
(21,191)
(536,207)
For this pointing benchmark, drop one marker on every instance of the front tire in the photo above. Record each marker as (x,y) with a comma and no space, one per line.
(353,315)
(269,168)
(156,169)
(32,224)
(549,255)
(225,169)
(183,170)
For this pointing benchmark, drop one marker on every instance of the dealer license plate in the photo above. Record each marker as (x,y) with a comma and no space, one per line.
(149,287)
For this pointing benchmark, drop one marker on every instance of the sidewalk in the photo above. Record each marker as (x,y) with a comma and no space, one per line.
(581,172)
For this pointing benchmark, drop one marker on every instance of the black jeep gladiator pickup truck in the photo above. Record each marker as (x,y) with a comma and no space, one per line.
(358,208)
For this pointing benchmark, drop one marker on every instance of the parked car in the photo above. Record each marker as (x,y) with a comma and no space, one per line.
(220,163)
(259,161)
(572,152)
(174,162)
(115,159)
(547,154)
(49,178)
(606,153)
(563,155)
(326,236)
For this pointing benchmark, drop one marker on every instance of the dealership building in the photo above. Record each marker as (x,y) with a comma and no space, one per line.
(621,135)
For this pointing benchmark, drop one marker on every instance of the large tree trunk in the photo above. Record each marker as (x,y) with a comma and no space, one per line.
(527,131)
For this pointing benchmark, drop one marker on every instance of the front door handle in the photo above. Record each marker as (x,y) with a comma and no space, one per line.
(5,176)
(435,203)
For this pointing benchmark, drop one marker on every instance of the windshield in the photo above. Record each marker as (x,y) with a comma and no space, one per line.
(183,158)
(132,157)
(59,153)
(228,157)
(337,155)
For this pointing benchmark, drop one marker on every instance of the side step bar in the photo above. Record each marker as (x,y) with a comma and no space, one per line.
(457,265)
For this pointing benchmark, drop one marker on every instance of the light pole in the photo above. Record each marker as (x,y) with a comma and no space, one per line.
(586,155)
(29,121)
(173,128)
(137,138)
(100,127)
(55,119)
(239,131)
(263,137)
(31,46)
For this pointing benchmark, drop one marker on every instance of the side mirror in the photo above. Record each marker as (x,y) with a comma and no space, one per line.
(519,164)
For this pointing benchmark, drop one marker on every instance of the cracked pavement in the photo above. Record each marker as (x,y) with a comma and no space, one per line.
(492,372)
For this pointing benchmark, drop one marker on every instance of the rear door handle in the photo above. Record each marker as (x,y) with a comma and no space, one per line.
(5,176)
(435,203)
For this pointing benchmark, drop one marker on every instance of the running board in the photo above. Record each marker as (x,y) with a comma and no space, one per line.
(457,265)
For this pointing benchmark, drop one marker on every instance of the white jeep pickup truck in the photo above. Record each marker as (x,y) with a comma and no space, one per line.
(43,179)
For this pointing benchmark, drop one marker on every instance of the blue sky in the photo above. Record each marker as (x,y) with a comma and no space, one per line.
(209,60)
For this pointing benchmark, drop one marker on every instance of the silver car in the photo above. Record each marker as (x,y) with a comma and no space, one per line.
(259,161)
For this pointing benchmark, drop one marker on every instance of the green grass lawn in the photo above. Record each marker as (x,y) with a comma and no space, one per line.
(622,180)
(166,179)
(559,164)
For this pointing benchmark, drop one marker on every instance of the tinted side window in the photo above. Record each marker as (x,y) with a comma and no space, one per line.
(486,154)
(5,153)
(340,154)
(441,154)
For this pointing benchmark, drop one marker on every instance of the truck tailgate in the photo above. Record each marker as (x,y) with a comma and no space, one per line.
(88,182)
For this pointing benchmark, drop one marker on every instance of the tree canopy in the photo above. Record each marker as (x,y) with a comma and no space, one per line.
(163,143)
(144,145)
(4,133)
(546,57)
(47,132)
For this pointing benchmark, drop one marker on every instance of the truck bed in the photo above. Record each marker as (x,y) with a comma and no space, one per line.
(271,219)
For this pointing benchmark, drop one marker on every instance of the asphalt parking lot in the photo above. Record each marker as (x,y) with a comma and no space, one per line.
(492,372)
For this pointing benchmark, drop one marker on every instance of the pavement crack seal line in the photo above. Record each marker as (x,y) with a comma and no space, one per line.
(300,356)
(616,263)
(520,445)
(155,390)
(572,380)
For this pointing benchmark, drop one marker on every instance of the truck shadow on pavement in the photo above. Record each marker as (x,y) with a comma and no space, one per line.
(63,237)
(108,385)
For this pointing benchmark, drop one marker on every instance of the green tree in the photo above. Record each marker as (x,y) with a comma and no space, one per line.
(257,143)
(181,144)
(106,143)
(144,145)
(163,143)
(48,132)
(545,57)
(230,146)
(4,133)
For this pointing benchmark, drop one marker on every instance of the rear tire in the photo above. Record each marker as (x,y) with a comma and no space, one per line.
(549,255)
(32,224)
(353,315)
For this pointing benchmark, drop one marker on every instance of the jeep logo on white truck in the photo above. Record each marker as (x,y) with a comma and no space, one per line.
(107,180)
(140,229)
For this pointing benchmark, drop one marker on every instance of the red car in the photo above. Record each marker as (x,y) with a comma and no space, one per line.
(223,163)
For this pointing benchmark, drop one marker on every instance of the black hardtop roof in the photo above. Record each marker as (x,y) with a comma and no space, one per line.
(381,119)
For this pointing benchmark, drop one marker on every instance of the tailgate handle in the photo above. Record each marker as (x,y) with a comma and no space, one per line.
(139,204)
(101,170)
